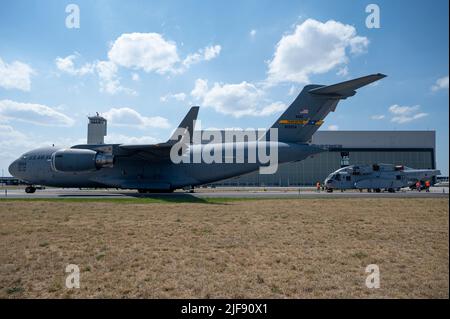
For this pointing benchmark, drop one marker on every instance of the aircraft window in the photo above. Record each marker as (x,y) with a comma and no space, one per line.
(398,177)
(338,177)
(348,178)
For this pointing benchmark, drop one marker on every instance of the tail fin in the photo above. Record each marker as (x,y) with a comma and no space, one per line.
(187,125)
(305,115)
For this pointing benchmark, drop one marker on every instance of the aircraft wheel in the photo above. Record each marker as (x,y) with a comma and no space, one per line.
(391,190)
(142,191)
(30,189)
(377,190)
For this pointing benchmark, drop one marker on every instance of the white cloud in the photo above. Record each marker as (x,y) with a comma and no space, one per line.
(272,108)
(8,133)
(211,52)
(16,75)
(138,51)
(343,71)
(405,114)
(33,113)
(106,70)
(205,54)
(333,127)
(235,99)
(109,81)
(292,90)
(200,88)
(377,117)
(67,65)
(314,48)
(146,51)
(253,33)
(135,77)
(126,116)
(178,96)
(441,84)
(152,53)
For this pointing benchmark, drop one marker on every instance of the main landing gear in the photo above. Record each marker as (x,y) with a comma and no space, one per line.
(30,189)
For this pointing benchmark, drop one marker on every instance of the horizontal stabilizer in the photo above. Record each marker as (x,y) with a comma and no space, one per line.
(307,112)
(347,88)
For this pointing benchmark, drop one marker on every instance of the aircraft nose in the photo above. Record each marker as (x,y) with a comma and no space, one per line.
(13,168)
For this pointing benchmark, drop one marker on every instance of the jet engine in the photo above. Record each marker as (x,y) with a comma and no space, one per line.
(80,160)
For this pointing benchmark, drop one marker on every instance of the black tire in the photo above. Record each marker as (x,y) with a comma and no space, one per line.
(30,189)
(377,190)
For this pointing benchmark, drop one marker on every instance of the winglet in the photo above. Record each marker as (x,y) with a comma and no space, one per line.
(347,88)
(187,124)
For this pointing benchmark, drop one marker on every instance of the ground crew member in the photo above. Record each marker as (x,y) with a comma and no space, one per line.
(427,186)
(418,185)
(318,186)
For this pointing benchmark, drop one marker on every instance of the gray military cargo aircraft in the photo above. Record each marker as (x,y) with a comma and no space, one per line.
(149,168)
(377,177)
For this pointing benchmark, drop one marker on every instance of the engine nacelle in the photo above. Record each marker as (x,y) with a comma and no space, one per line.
(80,160)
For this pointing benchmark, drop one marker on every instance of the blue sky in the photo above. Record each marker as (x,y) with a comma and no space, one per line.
(143,63)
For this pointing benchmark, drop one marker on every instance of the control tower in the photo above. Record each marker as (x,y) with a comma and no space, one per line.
(96,129)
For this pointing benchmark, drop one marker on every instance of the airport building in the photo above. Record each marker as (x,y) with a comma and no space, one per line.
(415,149)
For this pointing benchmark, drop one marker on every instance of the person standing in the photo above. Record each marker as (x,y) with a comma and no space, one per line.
(427,186)
(418,186)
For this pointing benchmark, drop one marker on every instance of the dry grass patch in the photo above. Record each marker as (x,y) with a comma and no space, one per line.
(290,248)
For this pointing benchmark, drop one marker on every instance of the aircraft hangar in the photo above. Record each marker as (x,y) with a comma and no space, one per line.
(415,149)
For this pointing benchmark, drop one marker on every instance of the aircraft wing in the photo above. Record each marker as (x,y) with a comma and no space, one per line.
(152,152)
(161,151)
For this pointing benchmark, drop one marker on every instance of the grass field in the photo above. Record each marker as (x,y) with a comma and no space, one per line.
(282,248)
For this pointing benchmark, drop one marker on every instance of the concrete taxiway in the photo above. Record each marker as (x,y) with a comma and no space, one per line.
(221,193)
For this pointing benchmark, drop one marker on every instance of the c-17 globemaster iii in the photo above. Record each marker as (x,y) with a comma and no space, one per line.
(151,168)
(377,177)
